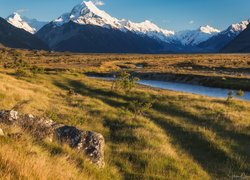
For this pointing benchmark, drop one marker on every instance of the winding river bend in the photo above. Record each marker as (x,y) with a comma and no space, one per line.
(187,88)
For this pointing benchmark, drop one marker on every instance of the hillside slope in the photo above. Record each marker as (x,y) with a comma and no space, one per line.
(205,139)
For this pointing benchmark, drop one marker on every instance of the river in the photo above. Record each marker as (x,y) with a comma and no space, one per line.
(189,88)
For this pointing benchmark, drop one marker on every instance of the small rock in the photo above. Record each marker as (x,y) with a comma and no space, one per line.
(13,115)
(31,116)
(1,132)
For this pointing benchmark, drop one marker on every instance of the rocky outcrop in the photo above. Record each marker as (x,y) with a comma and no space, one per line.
(89,143)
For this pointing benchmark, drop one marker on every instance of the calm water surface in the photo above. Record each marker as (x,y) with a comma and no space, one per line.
(188,88)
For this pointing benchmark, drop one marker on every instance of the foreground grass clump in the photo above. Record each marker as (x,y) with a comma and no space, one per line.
(170,138)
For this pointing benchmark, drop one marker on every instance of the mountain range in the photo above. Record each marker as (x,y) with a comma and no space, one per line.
(86,28)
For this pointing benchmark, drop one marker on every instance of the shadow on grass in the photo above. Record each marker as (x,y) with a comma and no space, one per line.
(120,132)
(81,88)
(202,122)
(211,158)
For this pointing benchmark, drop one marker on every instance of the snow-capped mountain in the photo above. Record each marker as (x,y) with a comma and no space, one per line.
(241,44)
(195,37)
(13,37)
(88,13)
(235,29)
(29,25)
(147,28)
(219,41)
(16,20)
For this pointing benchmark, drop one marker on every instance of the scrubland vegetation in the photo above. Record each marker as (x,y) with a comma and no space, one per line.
(149,133)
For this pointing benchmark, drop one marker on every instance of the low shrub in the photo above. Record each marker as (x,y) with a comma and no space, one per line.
(124,82)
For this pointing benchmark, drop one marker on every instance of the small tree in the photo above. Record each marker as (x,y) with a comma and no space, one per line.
(231,95)
(125,82)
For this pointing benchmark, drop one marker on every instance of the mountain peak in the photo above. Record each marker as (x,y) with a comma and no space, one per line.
(208,29)
(87,13)
(16,20)
(87,10)
(239,27)
(29,25)
(15,16)
(86,7)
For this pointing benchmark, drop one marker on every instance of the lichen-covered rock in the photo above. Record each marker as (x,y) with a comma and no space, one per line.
(8,117)
(87,142)
(90,143)
(40,128)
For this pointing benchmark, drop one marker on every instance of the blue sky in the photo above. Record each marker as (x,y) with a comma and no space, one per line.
(170,14)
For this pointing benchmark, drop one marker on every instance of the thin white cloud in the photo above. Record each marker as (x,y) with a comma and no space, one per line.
(98,2)
(21,10)
(191,22)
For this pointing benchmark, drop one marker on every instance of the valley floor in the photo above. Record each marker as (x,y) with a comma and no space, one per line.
(182,136)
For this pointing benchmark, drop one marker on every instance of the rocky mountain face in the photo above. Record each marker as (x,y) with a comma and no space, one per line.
(13,37)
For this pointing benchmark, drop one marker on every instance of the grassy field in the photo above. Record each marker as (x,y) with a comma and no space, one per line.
(182,136)
(216,70)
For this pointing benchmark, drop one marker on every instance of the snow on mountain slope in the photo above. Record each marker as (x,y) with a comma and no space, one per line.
(88,13)
(148,28)
(29,25)
(235,29)
(195,37)
(16,20)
